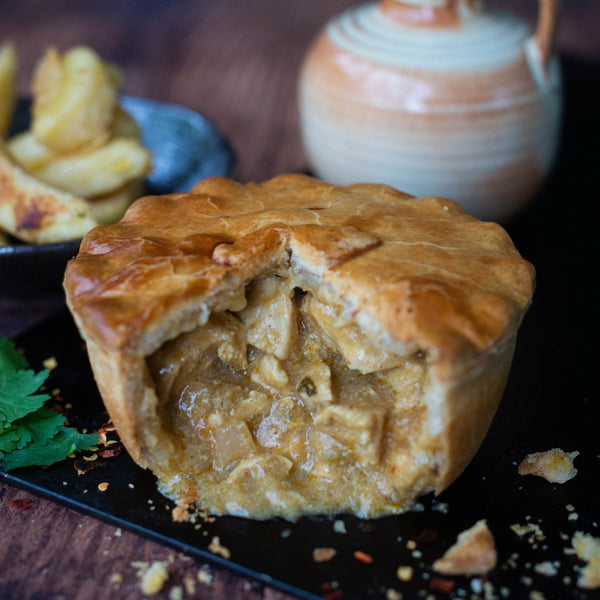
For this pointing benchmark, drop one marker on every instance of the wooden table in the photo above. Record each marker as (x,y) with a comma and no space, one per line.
(236,63)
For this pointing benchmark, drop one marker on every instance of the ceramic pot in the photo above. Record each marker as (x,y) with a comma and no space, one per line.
(436,98)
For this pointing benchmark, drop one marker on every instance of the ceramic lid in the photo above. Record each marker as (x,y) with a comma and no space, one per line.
(467,38)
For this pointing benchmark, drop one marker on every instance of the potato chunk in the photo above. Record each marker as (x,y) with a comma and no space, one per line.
(8,80)
(75,96)
(358,429)
(232,442)
(85,174)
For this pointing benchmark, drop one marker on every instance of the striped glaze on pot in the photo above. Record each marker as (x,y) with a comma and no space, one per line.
(435,97)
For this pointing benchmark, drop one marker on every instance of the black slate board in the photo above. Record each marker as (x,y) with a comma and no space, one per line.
(551,401)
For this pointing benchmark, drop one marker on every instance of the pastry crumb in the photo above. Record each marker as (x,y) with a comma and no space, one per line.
(152,577)
(204,576)
(50,363)
(189,585)
(531,531)
(323,554)
(474,553)
(216,547)
(587,548)
(339,526)
(180,514)
(546,568)
(555,465)
(405,573)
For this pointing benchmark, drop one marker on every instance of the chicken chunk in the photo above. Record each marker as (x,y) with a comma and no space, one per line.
(232,442)
(270,316)
(358,352)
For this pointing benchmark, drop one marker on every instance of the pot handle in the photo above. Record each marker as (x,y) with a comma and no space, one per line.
(540,46)
(546,30)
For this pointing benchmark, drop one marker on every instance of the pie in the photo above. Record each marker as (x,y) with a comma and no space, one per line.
(295,347)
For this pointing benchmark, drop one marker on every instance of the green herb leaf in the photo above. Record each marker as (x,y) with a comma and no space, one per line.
(18,384)
(31,433)
(17,397)
(10,357)
(65,442)
(9,438)
(38,427)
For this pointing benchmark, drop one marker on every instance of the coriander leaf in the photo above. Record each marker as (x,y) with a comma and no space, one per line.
(38,426)
(10,357)
(16,388)
(8,440)
(31,433)
(65,442)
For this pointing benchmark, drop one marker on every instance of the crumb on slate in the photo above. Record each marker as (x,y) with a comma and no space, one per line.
(474,553)
(556,465)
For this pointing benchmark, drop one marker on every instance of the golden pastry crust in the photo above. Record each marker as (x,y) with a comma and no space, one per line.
(417,275)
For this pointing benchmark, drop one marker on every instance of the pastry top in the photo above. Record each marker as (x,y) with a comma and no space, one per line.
(419,273)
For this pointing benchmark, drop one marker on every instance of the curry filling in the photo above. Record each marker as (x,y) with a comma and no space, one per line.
(286,407)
